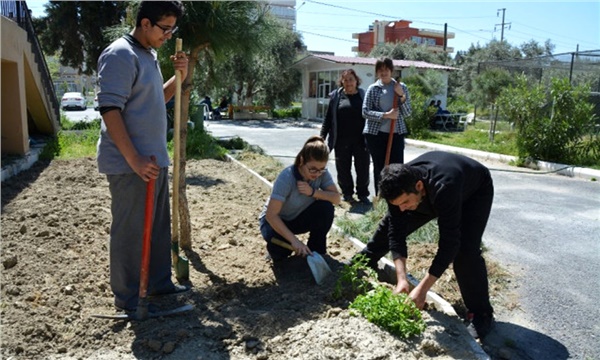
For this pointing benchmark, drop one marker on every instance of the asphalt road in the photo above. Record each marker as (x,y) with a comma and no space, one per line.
(544,229)
(82,115)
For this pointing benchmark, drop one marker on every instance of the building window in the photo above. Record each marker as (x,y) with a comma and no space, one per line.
(312,85)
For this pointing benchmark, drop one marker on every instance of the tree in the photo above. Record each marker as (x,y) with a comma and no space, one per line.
(209,29)
(532,48)
(73,29)
(408,50)
(265,73)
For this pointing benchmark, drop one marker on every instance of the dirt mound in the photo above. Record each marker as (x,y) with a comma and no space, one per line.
(55,230)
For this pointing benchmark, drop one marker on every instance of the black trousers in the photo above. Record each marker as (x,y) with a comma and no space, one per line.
(343,165)
(377,145)
(469,265)
(316,220)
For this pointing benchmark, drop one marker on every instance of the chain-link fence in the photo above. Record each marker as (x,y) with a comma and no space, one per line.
(581,67)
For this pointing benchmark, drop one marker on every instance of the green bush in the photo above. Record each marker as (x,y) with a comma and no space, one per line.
(555,126)
(421,89)
(293,112)
(201,145)
(459,105)
(235,143)
(51,149)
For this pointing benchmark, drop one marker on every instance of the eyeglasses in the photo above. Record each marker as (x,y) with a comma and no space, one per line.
(316,171)
(166,30)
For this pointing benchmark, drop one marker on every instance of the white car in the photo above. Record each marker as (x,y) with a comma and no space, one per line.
(73,100)
(96,103)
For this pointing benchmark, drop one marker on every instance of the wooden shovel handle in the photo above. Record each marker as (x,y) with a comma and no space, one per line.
(283,244)
(176,165)
(388,150)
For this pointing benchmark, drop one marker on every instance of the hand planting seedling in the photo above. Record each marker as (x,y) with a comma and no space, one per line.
(397,314)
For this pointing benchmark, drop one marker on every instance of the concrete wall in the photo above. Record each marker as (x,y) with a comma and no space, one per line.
(365,72)
(22,96)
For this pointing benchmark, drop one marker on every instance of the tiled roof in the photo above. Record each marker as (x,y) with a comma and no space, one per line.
(372,61)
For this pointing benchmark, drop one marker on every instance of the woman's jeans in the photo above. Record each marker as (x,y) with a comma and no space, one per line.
(316,220)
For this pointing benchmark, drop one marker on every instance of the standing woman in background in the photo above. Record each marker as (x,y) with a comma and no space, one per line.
(378,109)
(343,127)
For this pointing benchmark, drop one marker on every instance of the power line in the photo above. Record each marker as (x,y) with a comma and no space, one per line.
(554,34)
(366,12)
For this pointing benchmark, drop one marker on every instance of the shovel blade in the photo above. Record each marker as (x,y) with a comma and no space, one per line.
(318,267)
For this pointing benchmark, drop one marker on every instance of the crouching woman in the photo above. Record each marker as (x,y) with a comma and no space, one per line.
(301,202)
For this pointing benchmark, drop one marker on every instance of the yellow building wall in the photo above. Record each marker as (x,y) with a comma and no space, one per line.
(21,92)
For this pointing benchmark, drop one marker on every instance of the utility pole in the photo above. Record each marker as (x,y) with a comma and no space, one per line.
(446,36)
(503,25)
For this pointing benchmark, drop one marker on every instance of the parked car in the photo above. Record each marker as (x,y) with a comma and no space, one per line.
(73,100)
(96,103)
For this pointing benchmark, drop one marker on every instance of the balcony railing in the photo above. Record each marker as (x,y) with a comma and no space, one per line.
(18,12)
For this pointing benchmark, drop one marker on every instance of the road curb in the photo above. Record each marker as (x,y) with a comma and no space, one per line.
(439,303)
(22,163)
(562,169)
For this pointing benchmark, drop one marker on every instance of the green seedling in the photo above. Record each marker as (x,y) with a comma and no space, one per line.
(397,314)
(356,278)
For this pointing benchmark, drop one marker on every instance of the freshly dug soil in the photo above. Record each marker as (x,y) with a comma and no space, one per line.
(55,231)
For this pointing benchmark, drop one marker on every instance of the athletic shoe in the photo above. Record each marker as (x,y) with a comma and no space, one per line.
(481,325)
(176,289)
(365,200)
(349,198)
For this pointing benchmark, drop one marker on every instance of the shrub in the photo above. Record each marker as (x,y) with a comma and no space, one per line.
(551,126)
(293,112)
(201,145)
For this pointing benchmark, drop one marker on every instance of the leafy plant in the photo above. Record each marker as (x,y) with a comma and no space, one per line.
(51,149)
(293,112)
(395,313)
(200,145)
(356,278)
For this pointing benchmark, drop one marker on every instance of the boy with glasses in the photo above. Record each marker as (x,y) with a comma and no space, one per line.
(132,149)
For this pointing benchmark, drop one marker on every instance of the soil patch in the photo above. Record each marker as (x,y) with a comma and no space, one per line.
(55,230)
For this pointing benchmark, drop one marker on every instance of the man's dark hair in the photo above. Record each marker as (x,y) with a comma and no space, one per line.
(156,10)
(384,62)
(398,179)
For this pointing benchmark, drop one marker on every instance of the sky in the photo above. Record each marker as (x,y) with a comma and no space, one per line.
(328,25)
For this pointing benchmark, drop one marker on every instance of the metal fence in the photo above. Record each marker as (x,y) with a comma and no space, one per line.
(581,67)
